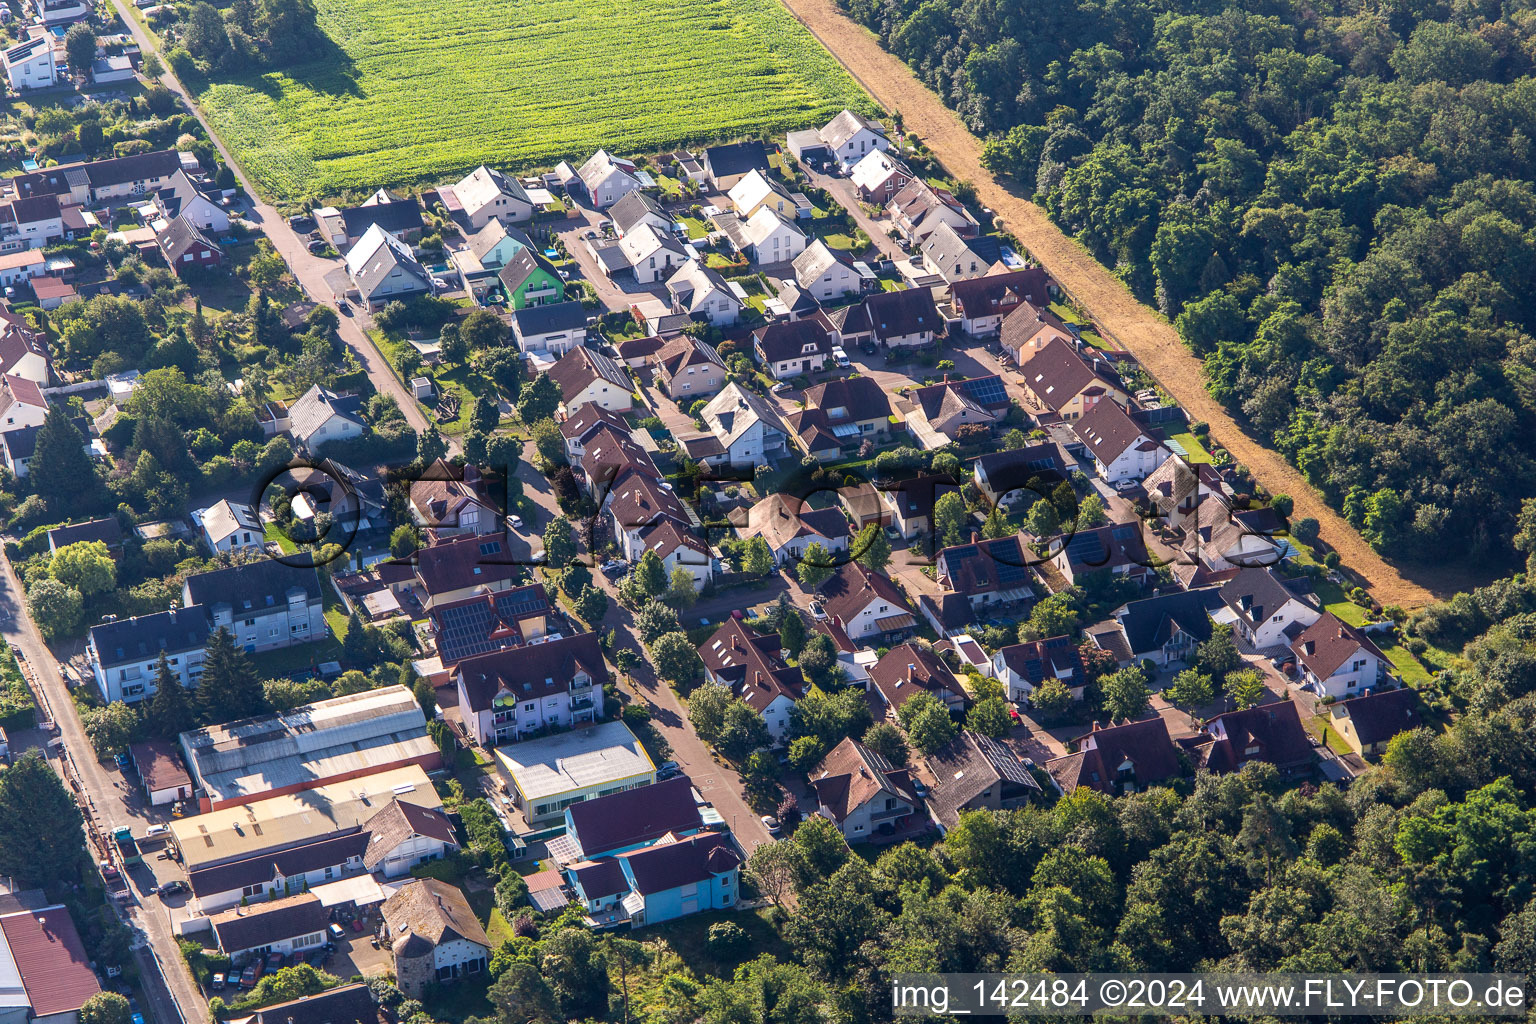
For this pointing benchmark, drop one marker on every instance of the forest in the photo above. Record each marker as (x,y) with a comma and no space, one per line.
(1332,201)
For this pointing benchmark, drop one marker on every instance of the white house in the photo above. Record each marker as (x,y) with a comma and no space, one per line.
(1121,448)
(637,208)
(125,653)
(748,427)
(551,330)
(703,294)
(384,268)
(29,64)
(195,199)
(879,176)
(824,274)
(293,924)
(867,604)
(1261,608)
(586,377)
(512,693)
(434,936)
(322,415)
(265,604)
(484,195)
(607,178)
(652,254)
(677,547)
(1022,667)
(850,137)
(771,237)
(1336,659)
(752,666)
(21,403)
(231,526)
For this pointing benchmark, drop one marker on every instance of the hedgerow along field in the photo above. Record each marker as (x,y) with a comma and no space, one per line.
(422,90)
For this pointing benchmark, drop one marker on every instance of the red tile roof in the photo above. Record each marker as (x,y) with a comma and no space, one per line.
(51,958)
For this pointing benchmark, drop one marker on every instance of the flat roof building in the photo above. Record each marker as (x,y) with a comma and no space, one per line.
(552,773)
(313,745)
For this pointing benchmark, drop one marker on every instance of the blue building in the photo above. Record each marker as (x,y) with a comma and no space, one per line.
(662,882)
(633,819)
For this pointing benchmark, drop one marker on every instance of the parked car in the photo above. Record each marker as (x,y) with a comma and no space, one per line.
(516,522)
(302,223)
(156,830)
(667,770)
(839,355)
(216,982)
(772,825)
(344,307)
(920,788)
(274,962)
(172,888)
(1127,485)
(781,387)
(615,568)
(817,611)
(317,246)
(336,930)
(124,762)
(250,974)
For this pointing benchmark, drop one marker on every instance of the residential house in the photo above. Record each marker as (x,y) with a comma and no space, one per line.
(976,773)
(673,880)
(489,249)
(1021,668)
(31,223)
(584,424)
(345,1004)
(849,137)
(586,377)
(161,773)
(865,505)
(850,325)
(703,294)
(107,530)
(824,274)
(637,208)
(551,331)
(29,63)
(840,412)
(866,604)
(904,319)
(512,694)
(434,937)
(757,191)
(1272,733)
(293,924)
(1336,659)
(985,302)
(103,182)
(125,653)
(987,572)
(910,668)
(450,501)
(791,348)
(607,178)
(555,773)
(879,177)
(861,792)
(485,195)
(637,352)
(724,166)
(52,292)
(1222,538)
(1122,448)
(112,68)
(919,209)
(1120,759)
(528,279)
(941,410)
(633,818)
(24,350)
(265,604)
(748,426)
(638,501)
(677,547)
(21,403)
(752,666)
(60,12)
(491,620)
(790,526)
(398,218)
(957,259)
(1056,376)
(911,501)
(231,526)
(185,246)
(19,268)
(17,446)
(49,978)
(609,455)
(653,255)
(1167,628)
(383,269)
(321,416)
(688,369)
(770,237)
(1020,476)
(1114,547)
(1266,611)
(197,199)
(1368,723)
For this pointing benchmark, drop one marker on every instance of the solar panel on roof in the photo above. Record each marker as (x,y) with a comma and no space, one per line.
(1085,547)
(987,390)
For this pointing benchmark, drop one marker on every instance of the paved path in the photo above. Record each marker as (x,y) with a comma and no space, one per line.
(308,270)
(168,985)
(1117,313)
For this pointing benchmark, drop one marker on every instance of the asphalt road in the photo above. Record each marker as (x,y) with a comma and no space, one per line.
(168,985)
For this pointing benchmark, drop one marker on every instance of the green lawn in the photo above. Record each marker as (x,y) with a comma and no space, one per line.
(275,534)
(696,228)
(1334,600)
(419,91)
(1194,451)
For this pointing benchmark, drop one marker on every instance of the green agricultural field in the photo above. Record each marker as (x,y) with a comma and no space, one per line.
(420,91)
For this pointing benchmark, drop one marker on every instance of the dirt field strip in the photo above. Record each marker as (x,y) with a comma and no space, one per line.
(1121,318)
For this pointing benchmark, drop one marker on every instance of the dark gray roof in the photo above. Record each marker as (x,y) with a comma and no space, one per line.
(400,216)
(558,316)
(633,208)
(106,530)
(1255,594)
(521,267)
(142,638)
(736,158)
(348,1004)
(660,868)
(261,924)
(912,311)
(253,586)
(1148,623)
(181,237)
(182,190)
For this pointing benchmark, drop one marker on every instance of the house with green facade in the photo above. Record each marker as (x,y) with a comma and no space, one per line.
(529,279)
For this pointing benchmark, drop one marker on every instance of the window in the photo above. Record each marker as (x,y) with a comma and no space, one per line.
(250,622)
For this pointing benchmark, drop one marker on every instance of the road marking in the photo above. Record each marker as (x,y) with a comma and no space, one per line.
(704,782)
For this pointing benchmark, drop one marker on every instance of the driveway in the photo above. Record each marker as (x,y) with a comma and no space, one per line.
(848,197)
(612,295)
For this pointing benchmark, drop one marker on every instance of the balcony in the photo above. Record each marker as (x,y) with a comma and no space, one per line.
(580,704)
(893,812)
(503,718)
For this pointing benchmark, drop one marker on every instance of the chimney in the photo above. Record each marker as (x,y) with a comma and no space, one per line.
(911,671)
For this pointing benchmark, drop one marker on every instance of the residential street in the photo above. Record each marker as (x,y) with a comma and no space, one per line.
(167,982)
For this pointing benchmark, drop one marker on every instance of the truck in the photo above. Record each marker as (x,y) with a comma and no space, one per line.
(127,846)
